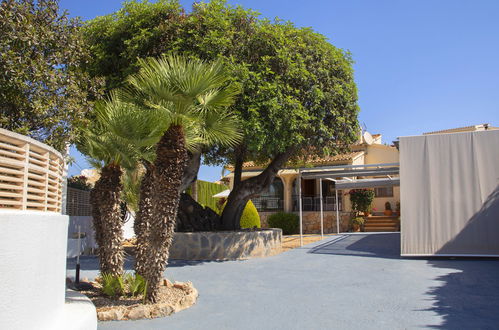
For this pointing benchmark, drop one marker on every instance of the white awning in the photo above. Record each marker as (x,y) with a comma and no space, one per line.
(366,183)
(222,194)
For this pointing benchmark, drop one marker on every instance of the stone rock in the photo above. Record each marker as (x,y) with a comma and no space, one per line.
(110,315)
(161,310)
(179,285)
(139,312)
(167,283)
(85,279)
(188,300)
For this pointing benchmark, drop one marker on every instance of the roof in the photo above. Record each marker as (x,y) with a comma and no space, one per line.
(346,157)
(480,127)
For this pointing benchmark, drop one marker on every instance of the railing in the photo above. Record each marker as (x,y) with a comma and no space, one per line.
(268,203)
(30,174)
(312,203)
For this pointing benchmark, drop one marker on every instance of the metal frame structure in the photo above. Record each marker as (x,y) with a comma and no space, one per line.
(346,172)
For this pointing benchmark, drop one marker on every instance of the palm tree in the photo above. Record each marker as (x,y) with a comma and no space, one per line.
(112,151)
(192,96)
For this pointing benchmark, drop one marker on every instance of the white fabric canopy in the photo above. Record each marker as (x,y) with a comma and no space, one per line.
(450,194)
(222,194)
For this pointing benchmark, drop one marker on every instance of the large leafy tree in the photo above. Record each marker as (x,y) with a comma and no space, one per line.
(192,97)
(298,98)
(43,92)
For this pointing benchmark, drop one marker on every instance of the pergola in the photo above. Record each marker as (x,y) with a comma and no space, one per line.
(347,177)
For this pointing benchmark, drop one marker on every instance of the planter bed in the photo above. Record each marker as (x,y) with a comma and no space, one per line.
(226,245)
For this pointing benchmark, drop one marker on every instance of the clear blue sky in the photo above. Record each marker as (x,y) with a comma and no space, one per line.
(421,65)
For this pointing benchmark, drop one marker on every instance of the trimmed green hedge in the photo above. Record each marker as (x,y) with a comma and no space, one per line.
(205,192)
(288,222)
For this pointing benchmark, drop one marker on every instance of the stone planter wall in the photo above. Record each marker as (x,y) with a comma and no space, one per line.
(312,221)
(228,245)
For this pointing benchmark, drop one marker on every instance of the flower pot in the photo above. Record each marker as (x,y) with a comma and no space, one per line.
(356,227)
(388,213)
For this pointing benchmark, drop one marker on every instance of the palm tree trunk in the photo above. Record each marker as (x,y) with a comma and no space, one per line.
(107,220)
(142,221)
(171,159)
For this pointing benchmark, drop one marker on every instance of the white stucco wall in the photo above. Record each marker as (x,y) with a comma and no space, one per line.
(32,269)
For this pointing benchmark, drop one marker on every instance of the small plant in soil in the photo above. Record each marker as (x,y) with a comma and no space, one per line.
(131,285)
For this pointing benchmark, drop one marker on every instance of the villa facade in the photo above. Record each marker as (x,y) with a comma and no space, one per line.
(282,194)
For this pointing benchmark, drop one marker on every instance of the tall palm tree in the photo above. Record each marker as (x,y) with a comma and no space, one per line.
(192,96)
(112,151)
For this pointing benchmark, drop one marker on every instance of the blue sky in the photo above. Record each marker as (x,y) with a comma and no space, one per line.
(420,65)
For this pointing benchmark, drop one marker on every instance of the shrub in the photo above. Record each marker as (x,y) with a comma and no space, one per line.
(361,199)
(357,220)
(250,217)
(288,222)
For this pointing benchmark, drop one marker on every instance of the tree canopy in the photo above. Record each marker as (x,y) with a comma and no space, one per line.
(298,96)
(43,93)
(284,71)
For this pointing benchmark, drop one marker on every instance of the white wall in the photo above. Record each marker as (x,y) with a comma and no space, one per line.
(32,269)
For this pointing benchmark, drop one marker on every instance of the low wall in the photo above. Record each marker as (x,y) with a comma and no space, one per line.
(33,269)
(312,221)
(226,245)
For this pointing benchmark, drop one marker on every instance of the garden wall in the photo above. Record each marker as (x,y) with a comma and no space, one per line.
(226,245)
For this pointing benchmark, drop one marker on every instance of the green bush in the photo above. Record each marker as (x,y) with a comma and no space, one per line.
(288,222)
(250,217)
(361,199)
(358,221)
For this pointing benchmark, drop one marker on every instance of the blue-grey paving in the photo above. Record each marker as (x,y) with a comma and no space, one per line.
(355,281)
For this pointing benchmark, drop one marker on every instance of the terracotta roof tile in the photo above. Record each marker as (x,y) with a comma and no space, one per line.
(317,161)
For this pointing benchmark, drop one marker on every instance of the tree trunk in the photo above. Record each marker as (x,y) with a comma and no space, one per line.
(194,190)
(243,191)
(107,220)
(191,170)
(169,166)
(143,218)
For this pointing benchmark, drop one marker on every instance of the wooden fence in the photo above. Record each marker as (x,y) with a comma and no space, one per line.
(31,174)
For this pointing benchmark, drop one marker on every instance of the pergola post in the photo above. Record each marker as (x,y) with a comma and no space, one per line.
(322,210)
(300,208)
(337,210)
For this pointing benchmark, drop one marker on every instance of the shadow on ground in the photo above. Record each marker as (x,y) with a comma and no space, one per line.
(469,295)
(376,245)
(92,263)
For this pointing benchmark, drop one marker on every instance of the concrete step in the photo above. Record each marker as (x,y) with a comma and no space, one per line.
(380,224)
(376,229)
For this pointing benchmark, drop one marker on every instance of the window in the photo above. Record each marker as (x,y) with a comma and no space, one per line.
(383,192)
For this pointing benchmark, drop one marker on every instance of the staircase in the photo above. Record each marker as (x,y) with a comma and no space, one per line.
(381,223)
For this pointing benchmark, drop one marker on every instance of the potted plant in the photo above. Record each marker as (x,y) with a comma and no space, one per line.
(388,209)
(356,223)
(361,200)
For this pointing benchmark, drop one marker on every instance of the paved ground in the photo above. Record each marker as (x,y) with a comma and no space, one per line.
(352,281)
